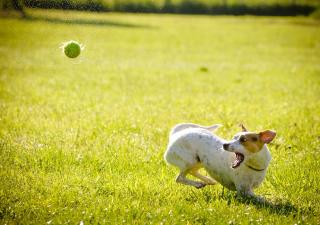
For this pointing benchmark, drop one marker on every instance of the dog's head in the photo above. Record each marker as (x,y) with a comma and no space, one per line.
(245,144)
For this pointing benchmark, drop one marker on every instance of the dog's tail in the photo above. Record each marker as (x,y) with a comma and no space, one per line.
(183,126)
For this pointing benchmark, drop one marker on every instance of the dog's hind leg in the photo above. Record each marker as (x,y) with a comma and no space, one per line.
(181,178)
(207,180)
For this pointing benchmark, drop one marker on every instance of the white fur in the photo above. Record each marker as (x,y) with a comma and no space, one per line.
(192,146)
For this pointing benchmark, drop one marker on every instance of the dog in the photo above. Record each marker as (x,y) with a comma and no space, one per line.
(240,164)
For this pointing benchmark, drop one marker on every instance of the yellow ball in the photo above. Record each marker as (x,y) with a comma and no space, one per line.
(72,49)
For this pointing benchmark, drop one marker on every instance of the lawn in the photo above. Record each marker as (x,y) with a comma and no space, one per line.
(83,140)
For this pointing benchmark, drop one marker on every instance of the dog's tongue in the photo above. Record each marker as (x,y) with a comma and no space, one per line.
(238,161)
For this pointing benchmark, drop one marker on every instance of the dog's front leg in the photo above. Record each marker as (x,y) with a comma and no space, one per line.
(248,193)
(245,191)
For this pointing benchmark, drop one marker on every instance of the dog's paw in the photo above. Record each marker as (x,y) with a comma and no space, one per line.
(250,197)
(260,199)
(200,185)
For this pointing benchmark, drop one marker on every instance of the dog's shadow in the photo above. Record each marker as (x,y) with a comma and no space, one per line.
(277,206)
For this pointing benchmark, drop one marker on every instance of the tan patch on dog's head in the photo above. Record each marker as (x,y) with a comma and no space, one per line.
(254,142)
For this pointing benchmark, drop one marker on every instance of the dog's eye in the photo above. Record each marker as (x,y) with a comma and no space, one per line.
(254,138)
(243,139)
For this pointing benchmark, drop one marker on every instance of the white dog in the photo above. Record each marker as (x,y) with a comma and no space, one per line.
(240,164)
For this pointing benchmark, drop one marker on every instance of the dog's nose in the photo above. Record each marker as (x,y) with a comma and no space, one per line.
(226,146)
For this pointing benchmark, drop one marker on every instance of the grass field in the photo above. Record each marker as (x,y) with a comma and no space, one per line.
(83,140)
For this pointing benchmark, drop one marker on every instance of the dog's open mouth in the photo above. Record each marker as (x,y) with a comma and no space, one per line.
(238,161)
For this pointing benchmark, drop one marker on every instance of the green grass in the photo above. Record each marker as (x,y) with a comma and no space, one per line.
(83,140)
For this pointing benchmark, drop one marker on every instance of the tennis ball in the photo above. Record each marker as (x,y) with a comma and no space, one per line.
(72,49)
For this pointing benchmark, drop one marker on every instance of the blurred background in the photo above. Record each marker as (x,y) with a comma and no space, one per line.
(215,7)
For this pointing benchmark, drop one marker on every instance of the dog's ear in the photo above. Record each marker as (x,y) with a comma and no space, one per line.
(267,136)
(243,128)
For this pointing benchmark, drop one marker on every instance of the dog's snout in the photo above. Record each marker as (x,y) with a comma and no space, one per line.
(226,146)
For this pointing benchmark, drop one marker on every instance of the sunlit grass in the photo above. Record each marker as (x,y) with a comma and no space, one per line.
(83,139)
